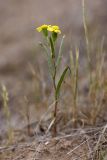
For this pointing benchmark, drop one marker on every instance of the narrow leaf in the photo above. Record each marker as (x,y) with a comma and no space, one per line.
(44,47)
(52,48)
(60,52)
(60,82)
(49,59)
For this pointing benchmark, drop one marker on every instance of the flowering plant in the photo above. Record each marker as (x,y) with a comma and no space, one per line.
(51,34)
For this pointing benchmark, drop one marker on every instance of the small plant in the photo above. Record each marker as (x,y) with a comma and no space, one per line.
(7,113)
(74,85)
(96,89)
(50,34)
(27,115)
(87,44)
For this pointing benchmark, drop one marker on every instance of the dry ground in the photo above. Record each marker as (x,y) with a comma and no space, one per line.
(81,144)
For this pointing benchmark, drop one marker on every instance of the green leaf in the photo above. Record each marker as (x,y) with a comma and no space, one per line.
(49,59)
(60,52)
(52,48)
(60,82)
(44,47)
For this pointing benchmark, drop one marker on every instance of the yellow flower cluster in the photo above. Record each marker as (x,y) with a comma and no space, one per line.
(39,29)
(49,28)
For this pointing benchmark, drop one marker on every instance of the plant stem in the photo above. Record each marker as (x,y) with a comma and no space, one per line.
(55,98)
(75,110)
(87,44)
(55,115)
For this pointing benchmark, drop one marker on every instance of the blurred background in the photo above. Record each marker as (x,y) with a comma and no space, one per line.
(23,68)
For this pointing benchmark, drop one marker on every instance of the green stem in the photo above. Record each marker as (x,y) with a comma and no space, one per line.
(56,100)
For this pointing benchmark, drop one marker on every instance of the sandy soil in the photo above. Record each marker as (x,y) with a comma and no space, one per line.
(80,144)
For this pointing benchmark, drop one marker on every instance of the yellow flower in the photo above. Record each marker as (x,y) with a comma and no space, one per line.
(49,28)
(41,28)
(53,29)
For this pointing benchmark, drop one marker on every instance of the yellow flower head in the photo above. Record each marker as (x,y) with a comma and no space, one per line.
(53,29)
(41,28)
(45,28)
